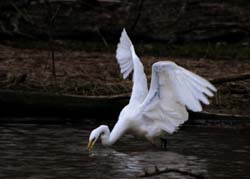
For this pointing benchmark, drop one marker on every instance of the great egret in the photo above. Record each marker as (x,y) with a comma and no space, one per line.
(161,109)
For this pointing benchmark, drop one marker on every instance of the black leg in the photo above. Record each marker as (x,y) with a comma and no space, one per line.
(164,143)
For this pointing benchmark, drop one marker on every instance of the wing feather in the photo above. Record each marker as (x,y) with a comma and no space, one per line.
(172,89)
(196,92)
(124,54)
(183,92)
(128,62)
(199,79)
(126,67)
(199,87)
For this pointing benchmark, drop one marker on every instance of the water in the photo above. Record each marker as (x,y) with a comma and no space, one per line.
(44,152)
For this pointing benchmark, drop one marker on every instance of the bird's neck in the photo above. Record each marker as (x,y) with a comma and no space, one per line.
(109,138)
(105,137)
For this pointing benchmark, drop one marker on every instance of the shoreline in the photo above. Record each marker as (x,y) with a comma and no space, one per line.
(97,74)
(61,108)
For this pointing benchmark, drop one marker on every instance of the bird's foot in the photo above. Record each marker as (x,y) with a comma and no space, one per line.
(164,143)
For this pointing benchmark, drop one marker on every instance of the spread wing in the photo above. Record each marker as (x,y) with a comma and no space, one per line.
(128,61)
(124,54)
(172,89)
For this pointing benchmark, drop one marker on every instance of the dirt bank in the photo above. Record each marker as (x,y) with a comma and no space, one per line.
(89,74)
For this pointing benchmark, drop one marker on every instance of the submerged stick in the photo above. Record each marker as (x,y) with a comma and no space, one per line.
(158,171)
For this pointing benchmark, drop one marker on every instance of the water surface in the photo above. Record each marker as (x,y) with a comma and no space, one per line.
(37,152)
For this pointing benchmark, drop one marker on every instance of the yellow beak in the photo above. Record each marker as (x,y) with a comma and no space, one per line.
(90,145)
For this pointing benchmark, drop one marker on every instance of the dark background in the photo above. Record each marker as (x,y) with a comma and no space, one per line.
(67,47)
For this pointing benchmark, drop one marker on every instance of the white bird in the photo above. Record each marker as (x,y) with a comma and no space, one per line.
(160,110)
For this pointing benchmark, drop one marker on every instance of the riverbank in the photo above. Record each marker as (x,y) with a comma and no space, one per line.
(79,72)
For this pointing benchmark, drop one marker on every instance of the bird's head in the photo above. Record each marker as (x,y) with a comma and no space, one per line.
(102,131)
(94,135)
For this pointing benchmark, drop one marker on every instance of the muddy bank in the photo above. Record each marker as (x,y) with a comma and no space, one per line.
(97,74)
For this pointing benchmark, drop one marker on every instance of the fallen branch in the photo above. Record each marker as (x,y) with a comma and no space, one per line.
(207,115)
(232,78)
(72,1)
(158,171)
(218,120)
(47,104)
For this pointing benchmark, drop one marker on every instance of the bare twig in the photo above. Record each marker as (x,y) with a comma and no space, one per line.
(102,38)
(181,12)
(138,14)
(19,11)
(51,20)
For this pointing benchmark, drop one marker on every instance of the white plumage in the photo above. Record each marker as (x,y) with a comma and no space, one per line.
(163,107)
(124,55)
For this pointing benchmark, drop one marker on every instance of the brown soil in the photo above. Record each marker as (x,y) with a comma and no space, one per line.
(82,73)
